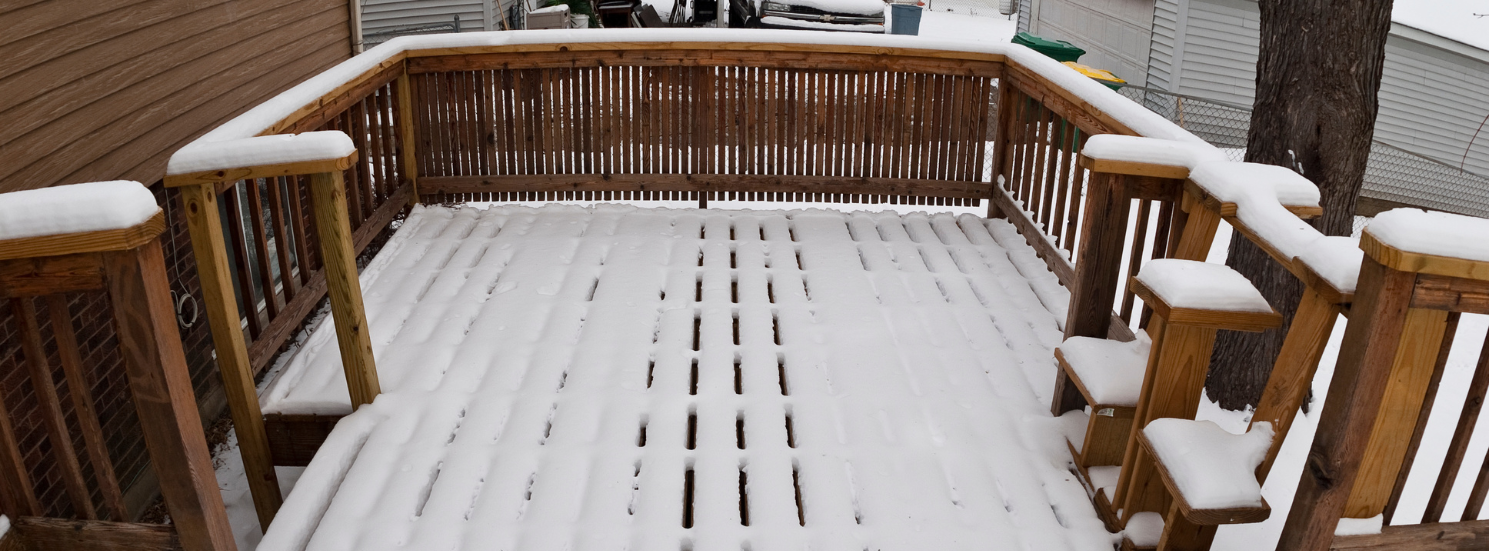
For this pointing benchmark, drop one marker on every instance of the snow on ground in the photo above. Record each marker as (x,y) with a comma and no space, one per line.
(522,350)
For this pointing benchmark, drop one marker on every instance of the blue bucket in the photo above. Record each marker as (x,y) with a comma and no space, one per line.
(905,19)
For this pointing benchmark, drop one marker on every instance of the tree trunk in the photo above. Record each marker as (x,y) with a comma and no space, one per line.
(1317,76)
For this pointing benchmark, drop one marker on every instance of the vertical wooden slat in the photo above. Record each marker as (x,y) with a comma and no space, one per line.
(283,239)
(1135,259)
(17,494)
(240,254)
(1078,183)
(80,389)
(261,246)
(405,137)
(63,454)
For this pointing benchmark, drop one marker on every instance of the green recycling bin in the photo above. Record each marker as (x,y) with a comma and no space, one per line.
(1058,50)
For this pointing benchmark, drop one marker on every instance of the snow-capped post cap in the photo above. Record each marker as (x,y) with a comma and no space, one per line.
(1201,294)
(1211,469)
(1230,183)
(1139,156)
(260,156)
(76,208)
(1415,240)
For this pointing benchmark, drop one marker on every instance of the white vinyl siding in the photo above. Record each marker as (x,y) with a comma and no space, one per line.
(1432,101)
(1114,33)
(475,15)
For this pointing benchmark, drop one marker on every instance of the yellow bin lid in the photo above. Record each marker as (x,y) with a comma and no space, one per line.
(1098,74)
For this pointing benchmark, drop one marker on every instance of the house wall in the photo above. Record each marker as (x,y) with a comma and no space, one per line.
(96,90)
(475,15)
(1211,44)
(1116,34)
(108,90)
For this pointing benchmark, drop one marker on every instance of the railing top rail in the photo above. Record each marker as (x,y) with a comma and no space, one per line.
(80,218)
(279,113)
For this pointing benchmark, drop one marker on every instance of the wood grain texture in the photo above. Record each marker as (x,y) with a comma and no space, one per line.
(234,174)
(85,242)
(295,438)
(702,182)
(204,223)
(1407,261)
(1292,375)
(64,456)
(52,534)
(80,389)
(158,380)
(1446,536)
(1361,375)
(1132,168)
(328,198)
(1215,319)
(1454,294)
(1411,371)
(29,277)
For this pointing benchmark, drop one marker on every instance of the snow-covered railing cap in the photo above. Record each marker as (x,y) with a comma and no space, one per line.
(1212,471)
(78,218)
(1224,184)
(260,157)
(1333,261)
(1140,156)
(1438,243)
(1186,292)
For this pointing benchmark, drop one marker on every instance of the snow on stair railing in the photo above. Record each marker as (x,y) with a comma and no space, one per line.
(100,237)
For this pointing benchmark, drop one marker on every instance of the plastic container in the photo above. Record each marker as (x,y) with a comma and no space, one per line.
(904,19)
(1099,75)
(1058,50)
(579,21)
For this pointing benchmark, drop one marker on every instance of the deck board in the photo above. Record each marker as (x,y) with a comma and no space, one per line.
(521,351)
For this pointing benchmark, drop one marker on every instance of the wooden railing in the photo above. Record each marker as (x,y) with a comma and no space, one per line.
(678,117)
(128,264)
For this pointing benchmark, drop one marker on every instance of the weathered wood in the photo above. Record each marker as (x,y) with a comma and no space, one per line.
(260,243)
(158,380)
(283,239)
(54,534)
(1411,371)
(1473,403)
(80,388)
(244,272)
(1451,293)
(294,439)
(1094,281)
(204,223)
(1361,375)
(1292,375)
(29,277)
(1199,231)
(1446,536)
(1182,534)
(701,182)
(267,171)
(1133,168)
(86,242)
(339,256)
(1214,319)
(64,456)
(408,153)
(17,495)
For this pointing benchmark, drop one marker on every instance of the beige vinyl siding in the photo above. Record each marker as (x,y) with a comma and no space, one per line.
(1432,101)
(475,15)
(1114,33)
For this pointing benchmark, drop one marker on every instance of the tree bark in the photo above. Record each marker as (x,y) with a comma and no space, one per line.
(1317,76)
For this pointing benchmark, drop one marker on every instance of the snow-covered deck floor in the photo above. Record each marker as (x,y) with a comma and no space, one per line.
(557,378)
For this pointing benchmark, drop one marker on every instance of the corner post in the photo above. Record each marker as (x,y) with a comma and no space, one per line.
(156,367)
(205,224)
(328,198)
(1002,140)
(1098,263)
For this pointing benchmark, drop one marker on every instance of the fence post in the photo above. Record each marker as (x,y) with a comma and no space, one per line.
(205,224)
(1097,265)
(1002,141)
(328,198)
(1378,318)
(156,367)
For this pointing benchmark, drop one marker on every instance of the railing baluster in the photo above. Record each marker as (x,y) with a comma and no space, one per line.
(45,387)
(80,388)
(283,240)
(1135,258)
(240,254)
(261,247)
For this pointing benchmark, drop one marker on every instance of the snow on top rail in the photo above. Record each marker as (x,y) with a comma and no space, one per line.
(265,116)
(77,208)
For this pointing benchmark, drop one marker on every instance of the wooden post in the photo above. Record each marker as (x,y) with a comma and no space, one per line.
(1002,141)
(1179,534)
(1198,234)
(1411,371)
(158,380)
(328,198)
(1097,266)
(205,225)
(407,153)
(1371,340)
(1292,375)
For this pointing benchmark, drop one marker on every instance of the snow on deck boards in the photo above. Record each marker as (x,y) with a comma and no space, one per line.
(566,377)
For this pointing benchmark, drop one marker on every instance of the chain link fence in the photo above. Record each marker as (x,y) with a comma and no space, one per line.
(1393,176)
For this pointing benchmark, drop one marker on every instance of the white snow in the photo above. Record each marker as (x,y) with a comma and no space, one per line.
(819,25)
(1201,286)
(1434,233)
(1233,182)
(1336,259)
(864,7)
(204,156)
(75,208)
(1144,529)
(1211,468)
(1112,371)
(1117,147)
(968,28)
(550,9)
(4,526)
(1460,20)
(1360,526)
(522,349)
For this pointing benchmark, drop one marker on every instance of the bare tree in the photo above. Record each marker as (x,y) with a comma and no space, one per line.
(1317,76)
